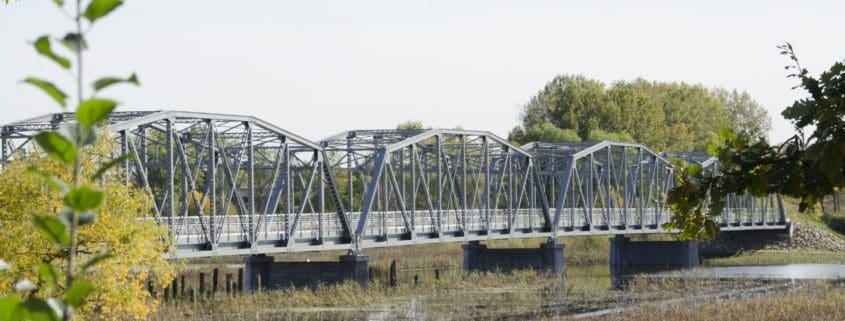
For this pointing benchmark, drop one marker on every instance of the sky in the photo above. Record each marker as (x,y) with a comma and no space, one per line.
(320,67)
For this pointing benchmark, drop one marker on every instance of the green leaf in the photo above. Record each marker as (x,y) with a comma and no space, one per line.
(59,2)
(693,170)
(94,260)
(10,308)
(42,46)
(52,228)
(103,169)
(84,198)
(94,110)
(56,146)
(39,310)
(108,81)
(99,8)
(49,275)
(77,293)
(71,40)
(50,89)
(55,183)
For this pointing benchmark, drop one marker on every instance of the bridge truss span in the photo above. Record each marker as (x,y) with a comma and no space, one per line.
(237,185)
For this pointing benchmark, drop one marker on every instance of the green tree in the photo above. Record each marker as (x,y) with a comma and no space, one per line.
(543,132)
(664,116)
(568,102)
(410,124)
(639,115)
(744,114)
(135,246)
(600,135)
(805,167)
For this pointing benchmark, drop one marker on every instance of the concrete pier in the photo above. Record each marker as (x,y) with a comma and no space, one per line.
(262,272)
(549,258)
(629,258)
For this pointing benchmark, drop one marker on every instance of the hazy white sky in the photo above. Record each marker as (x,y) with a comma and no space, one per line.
(320,67)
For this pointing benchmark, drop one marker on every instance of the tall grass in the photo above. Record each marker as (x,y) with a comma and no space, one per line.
(778,257)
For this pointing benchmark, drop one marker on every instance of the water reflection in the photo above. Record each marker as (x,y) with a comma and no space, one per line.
(788,271)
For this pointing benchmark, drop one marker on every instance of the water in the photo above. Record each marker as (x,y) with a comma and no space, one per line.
(788,271)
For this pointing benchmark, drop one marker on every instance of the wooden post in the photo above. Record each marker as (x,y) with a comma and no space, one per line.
(175,286)
(240,280)
(416,279)
(228,283)
(193,295)
(437,274)
(202,283)
(214,277)
(182,285)
(392,277)
(166,293)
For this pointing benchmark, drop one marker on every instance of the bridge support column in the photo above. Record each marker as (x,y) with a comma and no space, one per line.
(261,272)
(628,258)
(549,258)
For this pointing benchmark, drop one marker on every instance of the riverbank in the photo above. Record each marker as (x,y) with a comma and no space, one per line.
(430,280)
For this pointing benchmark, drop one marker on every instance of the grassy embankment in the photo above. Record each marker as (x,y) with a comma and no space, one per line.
(824,222)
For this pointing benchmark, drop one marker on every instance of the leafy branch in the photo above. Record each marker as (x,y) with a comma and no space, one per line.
(806,168)
(81,197)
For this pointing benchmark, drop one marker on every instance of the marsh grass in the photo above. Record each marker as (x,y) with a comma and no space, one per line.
(778,257)
(349,294)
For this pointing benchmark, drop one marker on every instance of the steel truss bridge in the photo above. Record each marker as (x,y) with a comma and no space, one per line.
(237,185)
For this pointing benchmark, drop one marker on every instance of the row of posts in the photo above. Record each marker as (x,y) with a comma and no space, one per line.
(178,287)
(393,280)
(179,290)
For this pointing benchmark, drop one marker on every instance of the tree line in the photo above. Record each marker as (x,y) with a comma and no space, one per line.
(664,116)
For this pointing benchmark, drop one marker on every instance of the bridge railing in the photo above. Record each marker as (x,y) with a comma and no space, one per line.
(194,229)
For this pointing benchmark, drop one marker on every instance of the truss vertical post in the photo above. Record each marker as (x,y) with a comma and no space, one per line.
(349,174)
(171,172)
(511,192)
(288,189)
(626,176)
(250,181)
(124,150)
(212,183)
(413,164)
(439,146)
(463,183)
(142,134)
(485,198)
(321,199)
(640,183)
